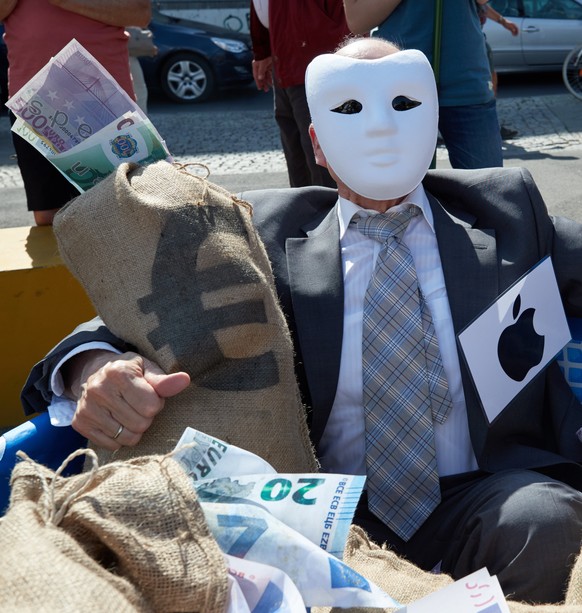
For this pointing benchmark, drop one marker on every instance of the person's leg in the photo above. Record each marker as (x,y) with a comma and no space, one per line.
(297,168)
(471,135)
(526,529)
(522,526)
(298,101)
(45,187)
(44,218)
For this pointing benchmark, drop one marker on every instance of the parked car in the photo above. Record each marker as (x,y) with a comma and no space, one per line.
(195,60)
(548,30)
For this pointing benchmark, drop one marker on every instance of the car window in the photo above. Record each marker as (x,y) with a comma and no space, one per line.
(552,9)
(507,8)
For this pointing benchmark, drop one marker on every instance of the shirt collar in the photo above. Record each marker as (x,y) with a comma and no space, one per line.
(347,209)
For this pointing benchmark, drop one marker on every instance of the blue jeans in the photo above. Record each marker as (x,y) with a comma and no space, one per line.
(471,135)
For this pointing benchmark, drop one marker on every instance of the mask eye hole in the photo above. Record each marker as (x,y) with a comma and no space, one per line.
(349,107)
(403,103)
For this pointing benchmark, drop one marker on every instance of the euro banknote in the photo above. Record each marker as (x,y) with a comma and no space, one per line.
(250,532)
(260,588)
(129,139)
(205,457)
(71,98)
(320,506)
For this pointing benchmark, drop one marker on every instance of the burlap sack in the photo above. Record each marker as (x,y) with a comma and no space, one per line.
(174,266)
(407,583)
(129,536)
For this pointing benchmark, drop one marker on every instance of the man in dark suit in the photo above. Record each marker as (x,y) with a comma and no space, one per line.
(509,491)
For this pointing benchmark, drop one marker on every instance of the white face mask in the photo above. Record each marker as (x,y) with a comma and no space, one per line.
(376,120)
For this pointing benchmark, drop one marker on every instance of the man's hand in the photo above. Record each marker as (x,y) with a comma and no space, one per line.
(263,74)
(118,390)
(509,25)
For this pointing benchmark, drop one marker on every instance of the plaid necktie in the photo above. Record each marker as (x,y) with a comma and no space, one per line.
(404,383)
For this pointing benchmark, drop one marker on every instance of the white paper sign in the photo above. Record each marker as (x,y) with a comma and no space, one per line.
(515,338)
(478,592)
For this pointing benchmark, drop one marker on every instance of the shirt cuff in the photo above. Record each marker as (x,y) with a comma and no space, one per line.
(61,409)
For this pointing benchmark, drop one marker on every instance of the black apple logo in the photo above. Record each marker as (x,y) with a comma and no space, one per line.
(520,347)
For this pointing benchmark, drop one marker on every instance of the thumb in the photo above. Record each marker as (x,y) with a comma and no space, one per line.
(165,385)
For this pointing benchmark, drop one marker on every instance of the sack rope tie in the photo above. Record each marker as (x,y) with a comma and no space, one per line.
(51,513)
(183,166)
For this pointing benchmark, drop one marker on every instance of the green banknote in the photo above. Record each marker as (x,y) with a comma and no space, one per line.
(128,139)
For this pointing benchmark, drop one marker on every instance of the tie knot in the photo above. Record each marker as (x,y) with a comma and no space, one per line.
(382,226)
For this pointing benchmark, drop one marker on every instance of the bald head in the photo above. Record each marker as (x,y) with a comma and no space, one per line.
(367,48)
(374,112)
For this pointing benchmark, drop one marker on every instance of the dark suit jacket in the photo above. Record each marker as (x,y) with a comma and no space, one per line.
(492,226)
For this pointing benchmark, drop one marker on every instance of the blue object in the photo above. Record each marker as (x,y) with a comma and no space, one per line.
(42,442)
(570,359)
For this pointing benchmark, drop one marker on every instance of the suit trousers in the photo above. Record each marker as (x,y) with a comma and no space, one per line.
(522,526)
(293,118)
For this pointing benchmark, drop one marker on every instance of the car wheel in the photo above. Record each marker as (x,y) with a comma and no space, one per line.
(187,78)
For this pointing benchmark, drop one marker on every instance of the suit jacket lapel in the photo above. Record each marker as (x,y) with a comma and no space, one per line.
(315,279)
(470,267)
(469,260)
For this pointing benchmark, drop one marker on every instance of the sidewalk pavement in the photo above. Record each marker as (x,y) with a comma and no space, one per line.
(242,150)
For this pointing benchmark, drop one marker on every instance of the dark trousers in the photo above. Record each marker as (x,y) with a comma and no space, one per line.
(522,526)
(293,118)
(45,187)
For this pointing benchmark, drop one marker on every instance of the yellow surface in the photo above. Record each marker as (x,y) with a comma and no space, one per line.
(40,303)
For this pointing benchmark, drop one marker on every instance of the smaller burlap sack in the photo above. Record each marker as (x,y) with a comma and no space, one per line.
(174,266)
(129,536)
(407,583)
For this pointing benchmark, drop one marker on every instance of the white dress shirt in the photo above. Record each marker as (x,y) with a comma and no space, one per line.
(342,446)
